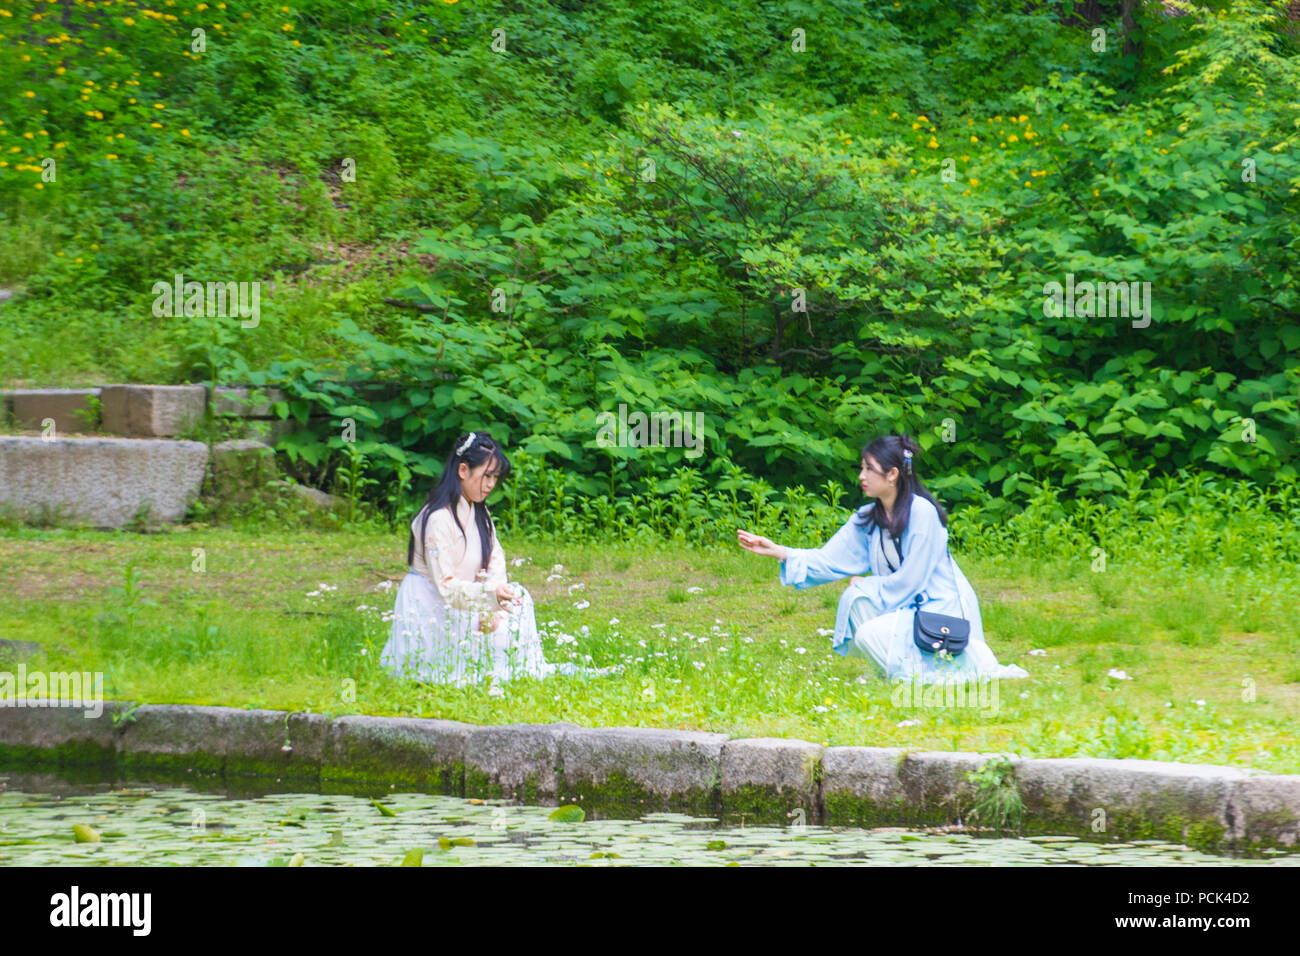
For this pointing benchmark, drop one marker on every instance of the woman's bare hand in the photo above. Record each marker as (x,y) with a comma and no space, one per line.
(760,545)
(506,595)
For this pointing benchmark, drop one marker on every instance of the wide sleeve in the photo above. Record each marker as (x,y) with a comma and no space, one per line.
(438,550)
(846,553)
(496,569)
(925,544)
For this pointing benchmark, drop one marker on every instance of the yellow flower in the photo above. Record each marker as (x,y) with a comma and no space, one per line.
(1013,138)
(1027,182)
(128,21)
(156,125)
(924,119)
(1065,126)
(973,181)
(997,119)
(933,144)
(916,126)
(41,186)
(1030,134)
(185,132)
(29,94)
(131,100)
(111,156)
(1148,132)
(159,106)
(974,139)
(28,136)
(891,115)
(1023,117)
(286,27)
(1095,193)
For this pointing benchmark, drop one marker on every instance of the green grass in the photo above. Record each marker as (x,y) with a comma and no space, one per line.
(1212,669)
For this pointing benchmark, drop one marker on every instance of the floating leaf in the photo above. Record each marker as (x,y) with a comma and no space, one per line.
(84,834)
(716,845)
(386,811)
(296,859)
(414,857)
(336,838)
(569,813)
(444,843)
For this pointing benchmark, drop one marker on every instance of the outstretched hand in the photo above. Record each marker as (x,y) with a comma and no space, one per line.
(760,545)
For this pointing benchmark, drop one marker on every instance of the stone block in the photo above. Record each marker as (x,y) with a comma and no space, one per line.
(1130,799)
(69,734)
(412,751)
(223,739)
(241,469)
(1266,811)
(152,411)
(517,761)
(31,407)
(862,786)
(771,777)
(238,401)
(631,765)
(102,482)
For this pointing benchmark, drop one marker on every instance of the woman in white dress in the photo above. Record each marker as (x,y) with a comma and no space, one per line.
(456,619)
(901,541)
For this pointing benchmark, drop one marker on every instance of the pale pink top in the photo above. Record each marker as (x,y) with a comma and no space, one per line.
(453,560)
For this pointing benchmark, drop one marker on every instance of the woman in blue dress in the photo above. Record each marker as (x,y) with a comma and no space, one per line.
(901,541)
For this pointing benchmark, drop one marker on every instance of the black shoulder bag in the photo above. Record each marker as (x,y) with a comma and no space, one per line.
(932,632)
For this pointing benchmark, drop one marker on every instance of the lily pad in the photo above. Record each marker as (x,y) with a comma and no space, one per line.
(84,834)
(569,813)
(414,857)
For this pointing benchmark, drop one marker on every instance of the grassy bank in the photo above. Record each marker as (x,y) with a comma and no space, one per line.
(1167,663)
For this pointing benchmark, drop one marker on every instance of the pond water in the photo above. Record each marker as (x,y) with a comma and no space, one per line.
(150,824)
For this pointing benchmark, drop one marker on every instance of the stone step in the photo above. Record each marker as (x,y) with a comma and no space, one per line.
(68,410)
(102,482)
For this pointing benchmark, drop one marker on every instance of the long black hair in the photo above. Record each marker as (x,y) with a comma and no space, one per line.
(888,450)
(478,448)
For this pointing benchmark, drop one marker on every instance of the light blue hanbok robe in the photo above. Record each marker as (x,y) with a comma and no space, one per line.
(926,570)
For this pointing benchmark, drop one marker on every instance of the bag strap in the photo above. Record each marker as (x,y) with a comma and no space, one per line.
(898,545)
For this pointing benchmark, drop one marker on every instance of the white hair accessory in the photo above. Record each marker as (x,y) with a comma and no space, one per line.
(468,441)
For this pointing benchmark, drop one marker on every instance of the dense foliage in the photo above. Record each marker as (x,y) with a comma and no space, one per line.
(676,209)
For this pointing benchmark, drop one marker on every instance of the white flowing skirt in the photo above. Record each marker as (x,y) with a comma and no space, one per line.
(883,639)
(433,642)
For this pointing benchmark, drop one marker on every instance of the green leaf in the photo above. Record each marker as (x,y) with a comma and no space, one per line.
(84,834)
(386,811)
(569,813)
(414,857)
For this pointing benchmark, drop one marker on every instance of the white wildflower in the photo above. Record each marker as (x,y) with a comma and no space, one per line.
(694,590)
(1038,652)
(801,650)
(698,665)
(1117,674)
(821,709)
(658,626)
(576,587)
(613,620)
(825,631)
(909,723)
(582,605)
